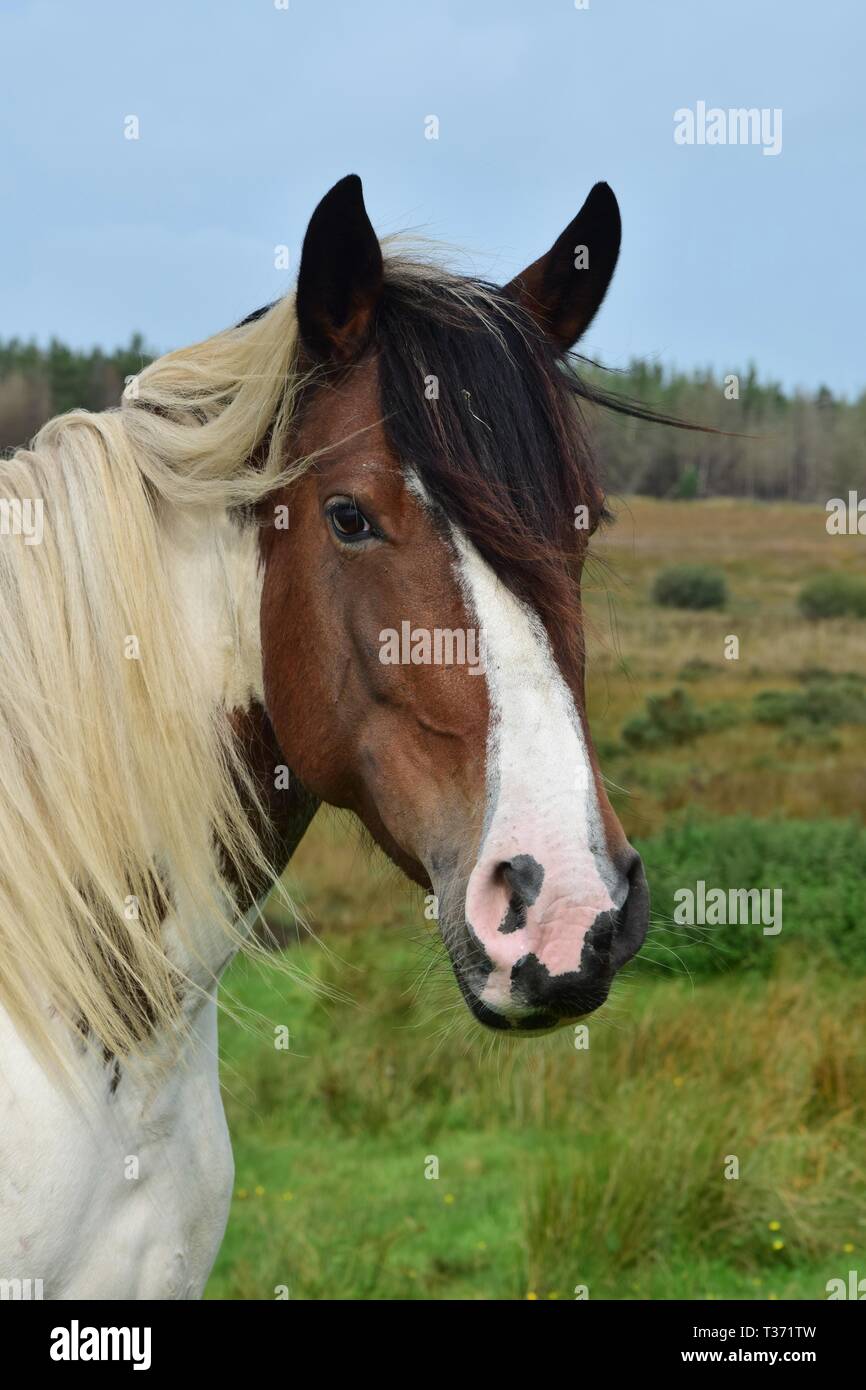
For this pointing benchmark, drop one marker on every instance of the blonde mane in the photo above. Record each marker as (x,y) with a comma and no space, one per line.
(108,761)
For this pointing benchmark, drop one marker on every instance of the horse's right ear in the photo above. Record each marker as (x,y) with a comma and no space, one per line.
(340,279)
(563,289)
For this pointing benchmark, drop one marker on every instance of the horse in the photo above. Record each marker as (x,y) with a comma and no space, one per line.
(199,652)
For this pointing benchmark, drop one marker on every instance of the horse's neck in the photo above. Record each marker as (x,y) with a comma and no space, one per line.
(217,579)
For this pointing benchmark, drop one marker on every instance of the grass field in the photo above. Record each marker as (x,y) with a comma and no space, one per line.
(602,1166)
(766,552)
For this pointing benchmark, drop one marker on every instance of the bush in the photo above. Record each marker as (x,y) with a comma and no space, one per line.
(824,702)
(675,718)
(672,718)
(696,669)
(690,586)
(834,596)
(688,486)
(808,674)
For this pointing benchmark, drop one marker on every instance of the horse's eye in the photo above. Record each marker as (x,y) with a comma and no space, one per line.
(347,520)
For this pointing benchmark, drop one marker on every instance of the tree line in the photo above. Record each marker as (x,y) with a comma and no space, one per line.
(37,383)
(770,443)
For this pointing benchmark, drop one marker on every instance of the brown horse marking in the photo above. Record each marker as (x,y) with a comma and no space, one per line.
(453,513)
(280,814)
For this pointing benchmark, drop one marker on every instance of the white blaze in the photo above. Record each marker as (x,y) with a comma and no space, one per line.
(541,798)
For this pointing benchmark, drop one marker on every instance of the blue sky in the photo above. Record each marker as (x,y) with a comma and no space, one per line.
(248,113)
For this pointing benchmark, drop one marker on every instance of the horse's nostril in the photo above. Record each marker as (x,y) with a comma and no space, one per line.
(524,877)
(633,919)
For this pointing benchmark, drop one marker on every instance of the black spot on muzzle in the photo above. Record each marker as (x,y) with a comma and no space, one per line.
(524,877)
(569,995)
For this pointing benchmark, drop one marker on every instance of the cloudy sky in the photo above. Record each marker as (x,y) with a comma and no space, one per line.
(248,110)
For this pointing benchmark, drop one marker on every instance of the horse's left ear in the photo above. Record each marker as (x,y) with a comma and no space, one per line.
(340,279)
(563,290)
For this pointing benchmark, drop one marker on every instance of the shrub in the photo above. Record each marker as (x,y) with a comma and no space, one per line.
(825,702)
(834,595)
(696,669)
(809,674)
(688,486)
(779,706)
(675,718)
(672,718)
(690,586)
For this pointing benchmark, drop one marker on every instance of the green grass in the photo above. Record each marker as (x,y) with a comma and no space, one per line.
(557,1166)
(818,867)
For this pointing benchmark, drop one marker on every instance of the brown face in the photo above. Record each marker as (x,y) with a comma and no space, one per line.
(406,682)
(401,745)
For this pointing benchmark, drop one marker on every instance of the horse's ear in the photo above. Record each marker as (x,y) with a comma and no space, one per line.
(563,289)
(340,279)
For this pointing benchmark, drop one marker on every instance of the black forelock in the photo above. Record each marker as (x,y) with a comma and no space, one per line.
(482,408)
